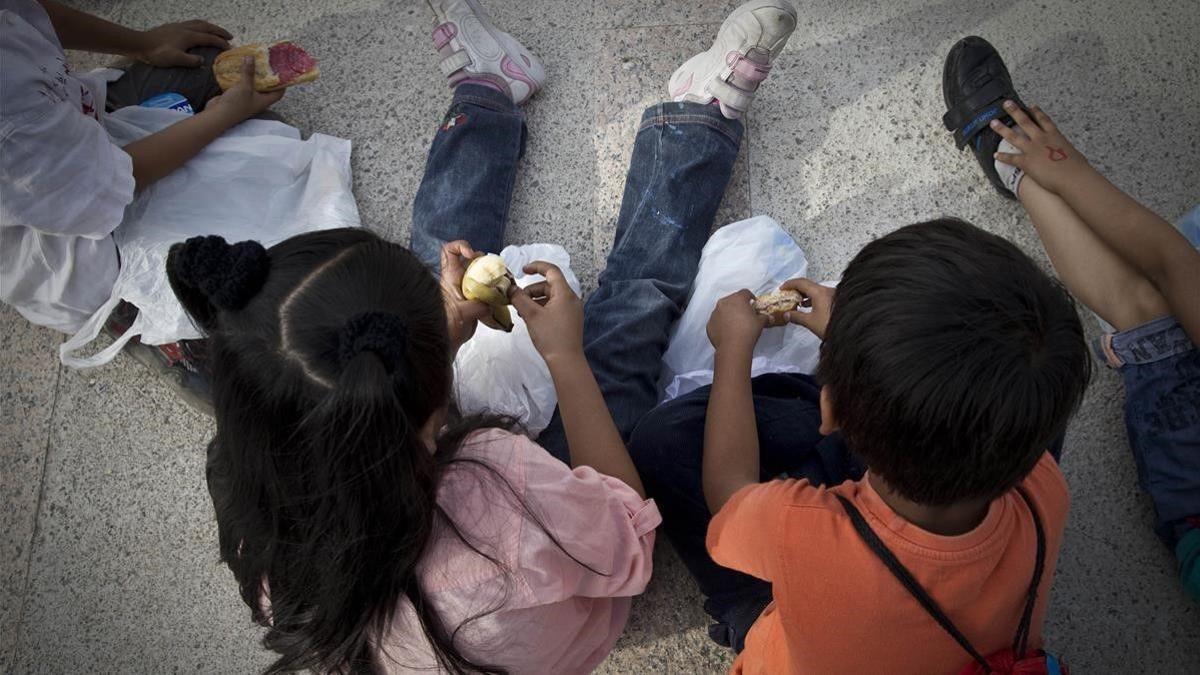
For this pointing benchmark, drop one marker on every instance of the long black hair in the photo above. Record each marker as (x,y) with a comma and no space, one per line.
(329,354)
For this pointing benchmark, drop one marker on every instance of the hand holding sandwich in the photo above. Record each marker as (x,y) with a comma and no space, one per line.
(241,101)
(160,153)
(730,459)
(735,324)
(815,297)
(787,305)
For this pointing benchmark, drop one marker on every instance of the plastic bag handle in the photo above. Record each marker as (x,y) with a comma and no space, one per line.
(88,332)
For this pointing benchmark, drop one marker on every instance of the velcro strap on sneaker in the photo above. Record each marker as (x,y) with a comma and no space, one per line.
(973,113)
(443,34)
(968,133)
(754,72)
(730,95)
(455,62)
(969,107)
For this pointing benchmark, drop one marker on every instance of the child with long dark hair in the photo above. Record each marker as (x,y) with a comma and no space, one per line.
(353,516)
(369,527)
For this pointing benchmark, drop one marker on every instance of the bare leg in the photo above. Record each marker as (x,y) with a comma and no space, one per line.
(1093,272)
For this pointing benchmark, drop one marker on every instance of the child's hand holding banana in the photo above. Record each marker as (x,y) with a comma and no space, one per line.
(488,280)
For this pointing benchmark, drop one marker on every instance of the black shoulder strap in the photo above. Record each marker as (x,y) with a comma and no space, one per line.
(1020,641)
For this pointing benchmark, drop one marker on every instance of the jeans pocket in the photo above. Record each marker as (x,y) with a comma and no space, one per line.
(1162,416)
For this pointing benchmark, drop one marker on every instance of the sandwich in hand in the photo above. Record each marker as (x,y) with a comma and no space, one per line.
(776,304)
(275,66)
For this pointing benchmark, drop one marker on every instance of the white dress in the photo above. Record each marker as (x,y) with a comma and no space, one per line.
(64,185)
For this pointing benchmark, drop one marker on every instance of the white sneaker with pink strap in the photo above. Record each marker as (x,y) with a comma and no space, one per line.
(474,50)
(739,59)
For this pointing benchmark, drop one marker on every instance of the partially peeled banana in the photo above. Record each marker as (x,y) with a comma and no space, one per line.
(488,280)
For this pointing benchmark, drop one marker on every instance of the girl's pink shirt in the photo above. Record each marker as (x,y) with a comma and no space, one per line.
(546,607)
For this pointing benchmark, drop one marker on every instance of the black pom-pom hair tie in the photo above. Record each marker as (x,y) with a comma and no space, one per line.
(382,333)
(228,275)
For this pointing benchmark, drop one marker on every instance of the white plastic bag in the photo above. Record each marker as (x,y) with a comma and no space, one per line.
(502,373)
(259,181)
(755,254)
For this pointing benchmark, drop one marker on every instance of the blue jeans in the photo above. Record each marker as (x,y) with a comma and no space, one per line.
(1161,370)
(682,160)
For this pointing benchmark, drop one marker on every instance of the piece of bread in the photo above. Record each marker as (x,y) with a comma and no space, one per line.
(776,304)
(276,66)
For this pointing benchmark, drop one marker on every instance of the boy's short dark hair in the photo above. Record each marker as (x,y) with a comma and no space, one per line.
(951,360)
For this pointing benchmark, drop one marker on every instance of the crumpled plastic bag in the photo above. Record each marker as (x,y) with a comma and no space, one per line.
(756,254)
(502,373)
(258,181)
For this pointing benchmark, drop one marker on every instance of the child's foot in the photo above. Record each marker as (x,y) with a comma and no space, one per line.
(975,84)
(739,59)
(474,51)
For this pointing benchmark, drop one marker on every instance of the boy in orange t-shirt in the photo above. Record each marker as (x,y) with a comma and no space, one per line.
(950,365)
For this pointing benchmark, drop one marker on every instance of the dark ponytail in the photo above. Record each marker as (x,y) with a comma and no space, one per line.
(368,515)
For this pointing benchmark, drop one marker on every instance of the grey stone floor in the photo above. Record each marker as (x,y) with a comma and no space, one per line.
(109,560)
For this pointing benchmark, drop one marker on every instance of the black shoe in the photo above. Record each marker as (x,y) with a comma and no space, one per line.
(975,84)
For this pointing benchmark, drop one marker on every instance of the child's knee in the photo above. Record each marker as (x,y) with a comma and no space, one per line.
(648,438)
(1146,304)
(666,433)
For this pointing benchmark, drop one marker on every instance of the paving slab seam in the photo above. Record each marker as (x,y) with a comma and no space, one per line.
(18,646)
(613,29)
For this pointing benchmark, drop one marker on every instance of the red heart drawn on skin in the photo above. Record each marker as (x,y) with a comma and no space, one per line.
(1056,154)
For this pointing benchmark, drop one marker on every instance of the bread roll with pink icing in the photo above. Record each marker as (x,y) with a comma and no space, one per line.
(276,66)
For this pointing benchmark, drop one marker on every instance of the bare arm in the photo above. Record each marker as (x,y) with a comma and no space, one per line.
(165,45)
(160,153)
(591,434)
(730,433)
(1145,241)
(730,460)
(554,315)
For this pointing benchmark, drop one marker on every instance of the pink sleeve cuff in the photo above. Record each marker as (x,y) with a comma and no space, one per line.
(643,512)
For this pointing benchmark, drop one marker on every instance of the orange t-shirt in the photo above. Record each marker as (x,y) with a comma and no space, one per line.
(837,608)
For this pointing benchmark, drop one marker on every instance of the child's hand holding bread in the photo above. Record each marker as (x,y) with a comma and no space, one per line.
(276,66)
(784,306)
(240,101)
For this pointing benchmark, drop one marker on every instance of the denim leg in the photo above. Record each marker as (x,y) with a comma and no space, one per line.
(1161,370)
(469,174)
(667,448)
(682,160)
